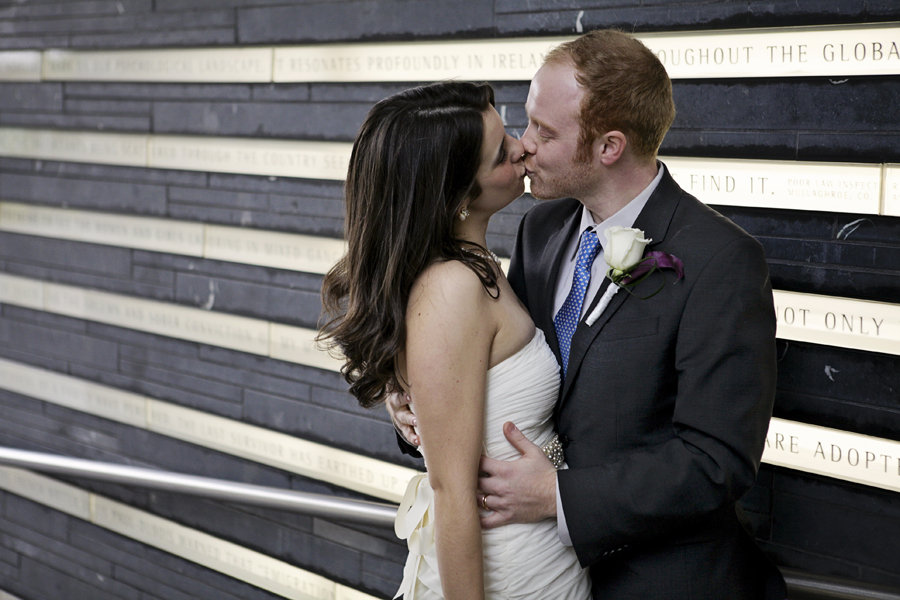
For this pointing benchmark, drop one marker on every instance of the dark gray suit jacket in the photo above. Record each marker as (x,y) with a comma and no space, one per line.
(665,406)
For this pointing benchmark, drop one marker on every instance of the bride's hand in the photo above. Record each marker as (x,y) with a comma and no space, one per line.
(402,417)
(517,491)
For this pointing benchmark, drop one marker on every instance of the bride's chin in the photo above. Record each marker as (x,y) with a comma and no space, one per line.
(521,187)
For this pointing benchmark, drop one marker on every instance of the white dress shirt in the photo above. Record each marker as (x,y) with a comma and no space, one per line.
(624,218)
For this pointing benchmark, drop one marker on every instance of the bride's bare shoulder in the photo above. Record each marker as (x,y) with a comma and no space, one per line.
(449,283)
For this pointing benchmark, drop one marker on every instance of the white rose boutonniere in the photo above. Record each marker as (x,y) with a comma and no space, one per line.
(624,251)
(628,264)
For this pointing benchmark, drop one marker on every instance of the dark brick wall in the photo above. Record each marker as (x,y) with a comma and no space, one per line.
(812,523)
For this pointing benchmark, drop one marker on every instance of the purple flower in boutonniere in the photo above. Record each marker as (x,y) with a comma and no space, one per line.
(629,265)
(654,261)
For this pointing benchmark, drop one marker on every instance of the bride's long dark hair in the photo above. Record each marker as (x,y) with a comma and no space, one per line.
(412,167)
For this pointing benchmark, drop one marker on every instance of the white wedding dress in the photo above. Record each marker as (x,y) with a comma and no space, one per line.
(520,560)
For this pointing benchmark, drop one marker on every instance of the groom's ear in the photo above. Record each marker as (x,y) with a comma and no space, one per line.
(609,147)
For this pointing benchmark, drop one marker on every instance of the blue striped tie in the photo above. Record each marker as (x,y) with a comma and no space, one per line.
(566,320)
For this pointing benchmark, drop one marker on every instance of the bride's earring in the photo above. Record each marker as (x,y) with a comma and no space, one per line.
(463,214)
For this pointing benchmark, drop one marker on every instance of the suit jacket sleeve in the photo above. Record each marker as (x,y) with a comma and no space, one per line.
(719,365)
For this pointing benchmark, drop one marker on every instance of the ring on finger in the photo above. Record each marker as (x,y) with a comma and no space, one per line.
(484,502)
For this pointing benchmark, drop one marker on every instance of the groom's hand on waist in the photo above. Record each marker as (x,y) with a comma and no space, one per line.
(517,491)
(400,410)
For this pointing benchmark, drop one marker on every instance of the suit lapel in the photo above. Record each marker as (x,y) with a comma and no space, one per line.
(657,215)
(654,220)
(547,273)
(584,335)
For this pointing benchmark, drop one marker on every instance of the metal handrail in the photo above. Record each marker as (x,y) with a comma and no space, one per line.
(801,585)
(320,505)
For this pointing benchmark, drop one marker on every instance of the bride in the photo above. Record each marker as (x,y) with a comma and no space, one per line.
(418,305)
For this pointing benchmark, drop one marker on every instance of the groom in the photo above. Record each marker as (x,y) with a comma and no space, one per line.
(667,394)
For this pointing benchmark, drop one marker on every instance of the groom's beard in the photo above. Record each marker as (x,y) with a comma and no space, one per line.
(574,181)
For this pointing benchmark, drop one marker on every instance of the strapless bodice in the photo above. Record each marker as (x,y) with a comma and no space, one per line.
(521,561)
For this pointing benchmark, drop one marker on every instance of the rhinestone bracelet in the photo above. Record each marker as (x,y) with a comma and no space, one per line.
(553,450)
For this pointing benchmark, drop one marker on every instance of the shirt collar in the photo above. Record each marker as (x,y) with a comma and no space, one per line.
(625,217)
